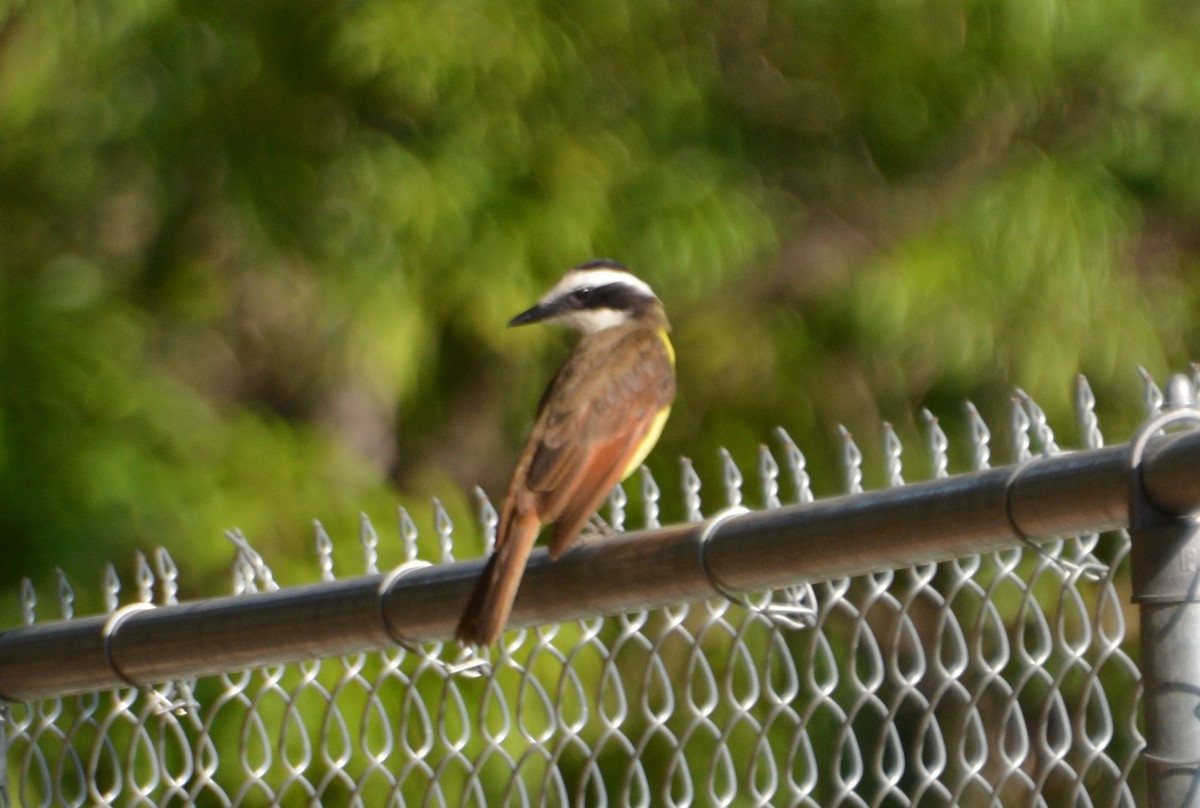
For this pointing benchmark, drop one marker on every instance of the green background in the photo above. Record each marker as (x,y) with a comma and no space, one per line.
(256,258)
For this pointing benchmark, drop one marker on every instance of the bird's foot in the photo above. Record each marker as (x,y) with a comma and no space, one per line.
(596,530)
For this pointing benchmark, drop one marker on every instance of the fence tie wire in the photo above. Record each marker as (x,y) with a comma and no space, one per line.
(795,610)
(468,663)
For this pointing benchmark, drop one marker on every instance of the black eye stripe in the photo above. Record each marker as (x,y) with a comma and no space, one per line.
(620,296)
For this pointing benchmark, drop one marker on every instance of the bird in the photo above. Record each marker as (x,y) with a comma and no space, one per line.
(598,418)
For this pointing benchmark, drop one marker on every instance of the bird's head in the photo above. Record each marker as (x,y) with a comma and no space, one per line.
(594,296)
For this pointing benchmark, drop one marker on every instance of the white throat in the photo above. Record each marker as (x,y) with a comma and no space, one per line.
(589,321)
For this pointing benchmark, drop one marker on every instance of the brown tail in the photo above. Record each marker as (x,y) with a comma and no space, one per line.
(487,610)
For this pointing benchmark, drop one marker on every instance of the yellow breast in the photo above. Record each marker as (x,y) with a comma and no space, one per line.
(656,427)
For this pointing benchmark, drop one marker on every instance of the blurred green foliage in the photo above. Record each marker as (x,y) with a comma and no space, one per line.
(256,258)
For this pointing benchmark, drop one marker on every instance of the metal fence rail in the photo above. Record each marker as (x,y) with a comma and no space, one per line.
(907,646)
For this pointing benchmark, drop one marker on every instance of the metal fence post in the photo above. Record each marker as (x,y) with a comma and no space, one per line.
(1165,558)
(4,800)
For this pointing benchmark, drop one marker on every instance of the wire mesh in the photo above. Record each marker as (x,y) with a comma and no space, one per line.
(985,680)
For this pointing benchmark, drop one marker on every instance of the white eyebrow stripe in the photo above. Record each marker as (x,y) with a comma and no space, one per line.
(593,278)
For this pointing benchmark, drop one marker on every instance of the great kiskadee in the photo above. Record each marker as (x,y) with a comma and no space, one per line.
(597,421)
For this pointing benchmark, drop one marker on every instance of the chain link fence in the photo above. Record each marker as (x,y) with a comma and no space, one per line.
(1001,678)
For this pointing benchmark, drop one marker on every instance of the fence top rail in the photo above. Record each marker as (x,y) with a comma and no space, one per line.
(1050,496)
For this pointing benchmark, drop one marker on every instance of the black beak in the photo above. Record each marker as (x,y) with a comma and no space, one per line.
(533,315)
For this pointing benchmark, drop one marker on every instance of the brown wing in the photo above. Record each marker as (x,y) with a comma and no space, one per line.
(602,472)
(605,399)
